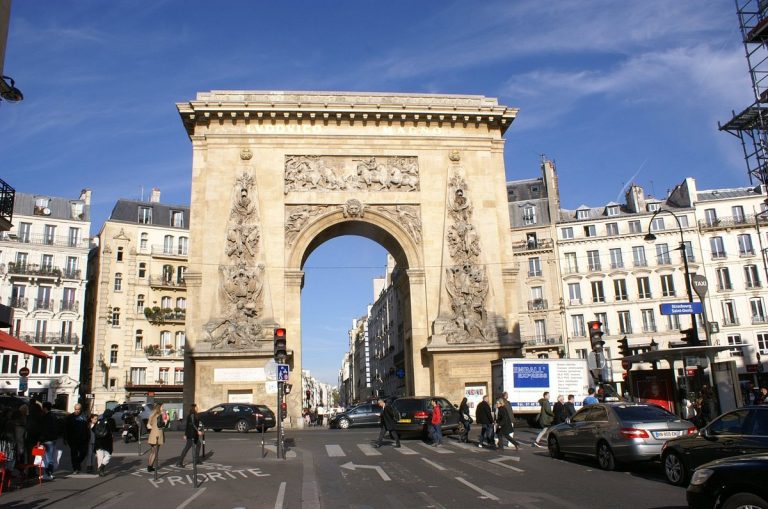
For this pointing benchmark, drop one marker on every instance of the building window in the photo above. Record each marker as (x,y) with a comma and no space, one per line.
(534,266)
(183,245)
(723,279)
(574,293)
(762,342)
(113,355)
(115,317)
(625,322)
(598,294)
(758,310)
(167,273)
(140,303)
(729,313)
(70,268)
(181,303)
(745,245)
(178,376)
(603,318)
(673,322)
(180,340)
(145,215)
(582,353)
(168,244)
(163,375)
(737,212)
(634,226)
(10,364)
(735,341)
(142,270)
(60,364)
(112,383)
(617,260)
(717,247)
(638,256)
(577,325)
(180,271)
(571,265)
(118,282)
(566,233)
(710,217)
(593,260)
(165,302)
(751,276)
(41,330)
(667,285)
(590,231)
(582,214)
(24,231)
(662,254)
(529,215)
(119,254)
(644,287)
(649,320)
(620,289)
(689,251)
(144,241)
(177,219)
(138,376)
(138,342)
(657,225)
(540,329)
(165,340)
(47,263)
(612,210)
(653,207)
(683,221)
(612,229)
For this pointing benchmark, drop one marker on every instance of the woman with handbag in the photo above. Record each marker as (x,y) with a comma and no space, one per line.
(157,422)
(466,419)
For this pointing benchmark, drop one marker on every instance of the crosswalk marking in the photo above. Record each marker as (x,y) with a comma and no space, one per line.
(368,450)
(466,447)
(334,450)
(406,450)
(439,450)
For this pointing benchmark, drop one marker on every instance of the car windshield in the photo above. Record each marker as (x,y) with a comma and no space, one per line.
(642,413)
(263,409)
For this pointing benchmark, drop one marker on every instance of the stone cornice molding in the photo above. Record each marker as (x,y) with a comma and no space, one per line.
(426,109)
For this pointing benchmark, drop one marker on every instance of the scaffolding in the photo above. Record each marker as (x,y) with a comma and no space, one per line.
(751,125)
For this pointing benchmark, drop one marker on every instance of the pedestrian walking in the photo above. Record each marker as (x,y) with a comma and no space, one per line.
(436,421)
(505,428)
(320,414)
(485,420)
(48,437)
(387,420)
(77,435)
(93,419)
(158,421)
(192,434)
(591,399)
(545,418)
(560,414)
(570,406)
(103,441)
(466,420)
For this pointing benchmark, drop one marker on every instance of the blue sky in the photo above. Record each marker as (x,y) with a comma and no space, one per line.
(612,91)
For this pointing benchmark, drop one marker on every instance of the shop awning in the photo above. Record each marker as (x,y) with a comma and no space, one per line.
(673,354)
(8,342)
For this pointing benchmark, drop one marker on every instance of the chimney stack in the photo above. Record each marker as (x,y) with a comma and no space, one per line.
(85,196)
(155,196)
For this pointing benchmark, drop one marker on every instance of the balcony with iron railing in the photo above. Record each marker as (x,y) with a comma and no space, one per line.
(729,222)
(162,251)
(528,246)
(759,319)
(537,305)
(34,269)
(19,302)
(163,282)
(744,253)
(730,321)
(650,328)
(45,240)
(156,351)
(69,305)
(49,338)
(157,315)
(541,342)
(42,304)
(754,284)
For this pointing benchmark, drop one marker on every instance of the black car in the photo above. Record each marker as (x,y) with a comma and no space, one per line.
(241,417)
(415,414)
(741,431)
(366,414)
(730,483)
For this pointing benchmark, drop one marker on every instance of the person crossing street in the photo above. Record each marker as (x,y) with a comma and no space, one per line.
(387,421)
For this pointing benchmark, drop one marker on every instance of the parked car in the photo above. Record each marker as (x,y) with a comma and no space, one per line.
(617,433)
(366,414)
(241,417)
(730,483)
(415,413)
(741,431)
(119,410)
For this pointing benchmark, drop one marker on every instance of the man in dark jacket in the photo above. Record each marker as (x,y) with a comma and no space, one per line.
(77,434)
(485,419)
(192,433)
(545,418)
(570,406)
(48,436)
(559,410)
(387,421)
(103,444)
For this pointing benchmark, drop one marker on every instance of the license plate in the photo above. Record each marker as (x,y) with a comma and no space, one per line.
(406,421)
(666,434)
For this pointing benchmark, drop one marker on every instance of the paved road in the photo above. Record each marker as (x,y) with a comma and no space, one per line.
(335,468)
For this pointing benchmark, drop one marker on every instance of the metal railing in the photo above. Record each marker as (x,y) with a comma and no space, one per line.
(537,304)
(175,250)
(44,304)
(69,305)
(7,198)
(34,338)
(166,282)
(19,302)
(524,245)
(731,222)
(33,269)
(534,341)
(44,240)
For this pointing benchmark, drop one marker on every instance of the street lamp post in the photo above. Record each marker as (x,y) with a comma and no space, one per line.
(650,237)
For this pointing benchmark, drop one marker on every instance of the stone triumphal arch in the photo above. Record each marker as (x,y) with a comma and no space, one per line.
(276,174)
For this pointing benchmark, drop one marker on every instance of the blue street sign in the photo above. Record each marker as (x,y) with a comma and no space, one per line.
(681,308)
(400,373)
(282,372)
(23,383)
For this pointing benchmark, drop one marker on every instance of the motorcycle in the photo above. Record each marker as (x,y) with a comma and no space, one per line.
(130,427)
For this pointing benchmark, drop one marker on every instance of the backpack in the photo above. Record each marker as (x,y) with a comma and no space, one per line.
(101,430)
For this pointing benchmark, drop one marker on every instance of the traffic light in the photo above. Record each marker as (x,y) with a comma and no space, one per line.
(596,334)
(624,350)
(287,388)
(281,350)
(691,337)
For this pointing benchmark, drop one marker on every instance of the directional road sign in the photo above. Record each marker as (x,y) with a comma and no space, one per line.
(681,308)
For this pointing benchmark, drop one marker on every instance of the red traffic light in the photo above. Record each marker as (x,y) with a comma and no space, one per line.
(595,326)
(280,333)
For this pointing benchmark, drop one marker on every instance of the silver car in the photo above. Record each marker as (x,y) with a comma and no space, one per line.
(617,433)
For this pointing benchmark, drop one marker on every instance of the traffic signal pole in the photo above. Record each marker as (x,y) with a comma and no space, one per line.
(280,416)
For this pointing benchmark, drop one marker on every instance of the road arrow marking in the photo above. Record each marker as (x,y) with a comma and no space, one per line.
(406,450)
(439,467)
(352,466)
(478,489)
(499,462)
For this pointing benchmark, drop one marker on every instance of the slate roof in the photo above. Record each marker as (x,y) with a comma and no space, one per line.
(127,211)
(61,208)
(723,194)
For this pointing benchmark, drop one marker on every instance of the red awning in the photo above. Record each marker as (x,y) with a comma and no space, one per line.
(8,342)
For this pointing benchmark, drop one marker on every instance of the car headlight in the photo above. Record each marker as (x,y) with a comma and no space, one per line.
(700,476)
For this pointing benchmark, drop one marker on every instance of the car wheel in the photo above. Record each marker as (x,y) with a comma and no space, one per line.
(554,448)
(217,430)
(744,501)
(343,423)
(459,429)
(242,426)
(674,469)
(605,457)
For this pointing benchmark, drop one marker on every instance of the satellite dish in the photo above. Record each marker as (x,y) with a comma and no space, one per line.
(47,211)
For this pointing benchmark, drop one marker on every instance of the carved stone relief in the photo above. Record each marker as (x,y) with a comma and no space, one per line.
(407,216)
(465,280)
(297,217)
(335,173)
(353,208)
(241,280)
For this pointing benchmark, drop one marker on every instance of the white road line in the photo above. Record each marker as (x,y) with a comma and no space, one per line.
(439,450)
(466,447)
(439,467)
(431,501)
(406,450)
(499,461)
(478,489)
(190,499)
(334,450)
(280,496)
(368,450)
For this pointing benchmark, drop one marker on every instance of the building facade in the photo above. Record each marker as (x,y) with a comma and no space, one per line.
(136,336)
(43,279)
